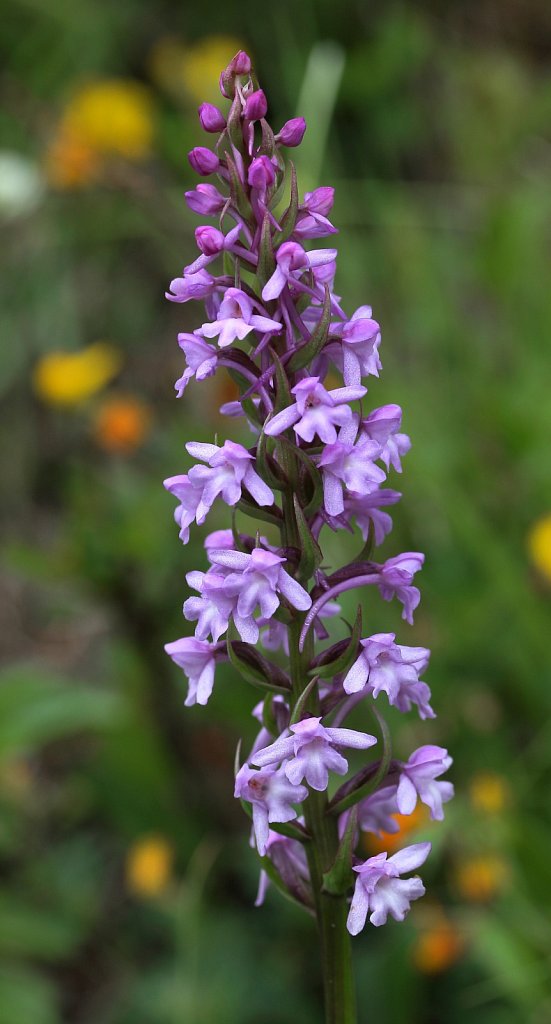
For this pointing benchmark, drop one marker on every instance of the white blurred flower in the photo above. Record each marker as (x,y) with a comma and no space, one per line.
(21,184)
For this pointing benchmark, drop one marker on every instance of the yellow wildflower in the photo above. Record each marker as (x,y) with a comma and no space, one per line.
(68,378)
(194,68)
(539,545)
(437,947)
(165,61)
(481,878)
(204,62)
(489,792)
(149,866)
(111,116)
(121,423)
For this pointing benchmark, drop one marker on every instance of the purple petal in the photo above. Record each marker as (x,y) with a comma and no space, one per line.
(247,629)
(237,560)
(261,827)
(319,257)
(200,450)
(406,796)
(274,287)
(295,594)
(351,738)
(316,773)
(332,495)
(282,421)
(359,908)
(356,677)
(349,394)
(410,858)
(278,751)
(257,488)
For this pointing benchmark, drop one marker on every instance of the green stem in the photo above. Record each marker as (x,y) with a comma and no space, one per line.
(321,850)
(331,912)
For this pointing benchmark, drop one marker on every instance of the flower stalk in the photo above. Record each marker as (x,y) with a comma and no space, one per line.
(267,601)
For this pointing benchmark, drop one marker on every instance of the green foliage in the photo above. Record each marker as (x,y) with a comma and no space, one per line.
(36,708)
(436,136)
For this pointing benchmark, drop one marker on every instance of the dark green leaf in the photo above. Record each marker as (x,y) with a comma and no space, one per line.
(311,556)
(275,877)
(268,468)
(237,192)
(311,348)
(283,391)
(342,662)
(311,471)
(338,805)
(302,701)
(253,667)
(338,880)
(268,139)
(271,515)
(266,259)
(289,218)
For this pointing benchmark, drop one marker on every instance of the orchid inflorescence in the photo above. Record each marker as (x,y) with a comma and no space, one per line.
(317,461)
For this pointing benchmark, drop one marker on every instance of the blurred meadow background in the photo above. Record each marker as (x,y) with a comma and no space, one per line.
(126,881)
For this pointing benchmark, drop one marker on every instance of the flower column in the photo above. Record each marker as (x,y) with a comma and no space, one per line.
(319,458)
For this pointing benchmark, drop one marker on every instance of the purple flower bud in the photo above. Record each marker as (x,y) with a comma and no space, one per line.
(209,240)
(239,65)
(289,859)
(203,160)
(261,173)
(255,106)
(211,118)
(205,199)
(292,132)
(292,258)
(320,200)
(312,214)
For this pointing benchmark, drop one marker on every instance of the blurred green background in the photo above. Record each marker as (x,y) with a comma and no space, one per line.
(126,880)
